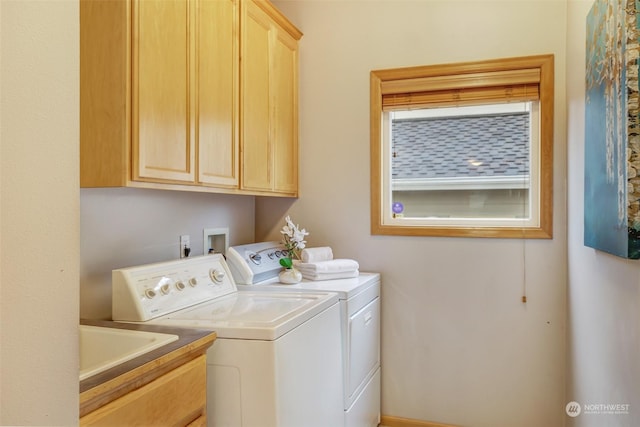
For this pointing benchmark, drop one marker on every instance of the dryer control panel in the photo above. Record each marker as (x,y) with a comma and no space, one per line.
(255,262)
(148,291)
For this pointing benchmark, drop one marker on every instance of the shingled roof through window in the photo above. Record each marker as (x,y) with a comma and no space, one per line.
(458,147)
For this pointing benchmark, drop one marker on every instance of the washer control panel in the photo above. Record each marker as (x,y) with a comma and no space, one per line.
(148,291)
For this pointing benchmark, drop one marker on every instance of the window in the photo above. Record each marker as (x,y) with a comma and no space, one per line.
(463,149)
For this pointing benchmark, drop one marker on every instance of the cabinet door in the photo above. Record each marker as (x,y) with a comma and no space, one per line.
(284,78)
(256,150)
(177,398)
(218,92)
(163,123)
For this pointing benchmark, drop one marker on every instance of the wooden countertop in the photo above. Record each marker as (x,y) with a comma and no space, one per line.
(104,387)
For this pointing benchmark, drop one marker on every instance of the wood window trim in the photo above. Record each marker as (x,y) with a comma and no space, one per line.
(398,80)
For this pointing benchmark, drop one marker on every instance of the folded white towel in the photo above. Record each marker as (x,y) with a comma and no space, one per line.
(330,266)
(330,276)
(323,253)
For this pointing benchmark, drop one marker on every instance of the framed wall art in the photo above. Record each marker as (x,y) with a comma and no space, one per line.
(612,139)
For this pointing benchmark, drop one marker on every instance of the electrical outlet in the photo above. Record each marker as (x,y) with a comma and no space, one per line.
(185,245)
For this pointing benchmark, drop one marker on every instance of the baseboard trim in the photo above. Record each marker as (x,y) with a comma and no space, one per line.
(389,421)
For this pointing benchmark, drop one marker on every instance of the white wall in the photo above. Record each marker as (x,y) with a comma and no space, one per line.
(121,227)
(39,220)
(458,345)
(604,290)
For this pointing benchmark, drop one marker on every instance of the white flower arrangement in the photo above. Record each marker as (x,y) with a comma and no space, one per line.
(293,241)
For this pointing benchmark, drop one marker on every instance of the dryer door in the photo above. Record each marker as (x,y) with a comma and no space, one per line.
(364,346)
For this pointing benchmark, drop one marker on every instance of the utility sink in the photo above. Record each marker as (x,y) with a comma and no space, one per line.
(102,348)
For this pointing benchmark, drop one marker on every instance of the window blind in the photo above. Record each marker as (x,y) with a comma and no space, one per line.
(461,89)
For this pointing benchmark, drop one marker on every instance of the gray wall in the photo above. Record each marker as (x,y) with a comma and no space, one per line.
(120,227)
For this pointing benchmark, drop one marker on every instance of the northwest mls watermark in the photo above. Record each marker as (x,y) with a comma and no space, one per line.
(573,409)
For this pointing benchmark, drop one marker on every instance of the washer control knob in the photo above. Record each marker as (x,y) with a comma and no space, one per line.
(165,289)
(150,293)
(216,275)
(180,285)
(255,258)
(193,281)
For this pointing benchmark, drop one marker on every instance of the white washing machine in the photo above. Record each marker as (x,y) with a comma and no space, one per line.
(255,268)
(276,361)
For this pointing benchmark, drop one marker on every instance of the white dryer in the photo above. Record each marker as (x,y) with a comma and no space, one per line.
(276,361)
(255,268)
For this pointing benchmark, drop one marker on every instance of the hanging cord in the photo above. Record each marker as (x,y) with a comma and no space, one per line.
(524,271)
(527,145)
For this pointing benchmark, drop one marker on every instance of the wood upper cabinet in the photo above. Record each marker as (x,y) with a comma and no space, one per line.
(269,100)
(219,93)
(159,93)
(164,111)
(165,100)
